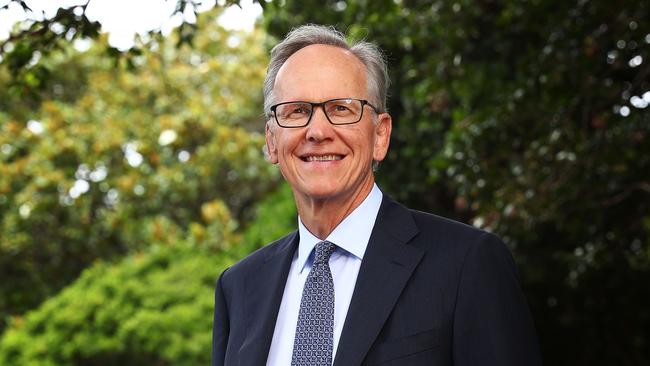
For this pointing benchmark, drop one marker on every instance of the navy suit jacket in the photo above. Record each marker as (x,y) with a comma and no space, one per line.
(430,291)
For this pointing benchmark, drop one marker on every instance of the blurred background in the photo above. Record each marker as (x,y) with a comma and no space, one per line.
(131,171)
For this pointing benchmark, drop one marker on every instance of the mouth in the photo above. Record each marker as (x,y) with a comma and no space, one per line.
(321,158)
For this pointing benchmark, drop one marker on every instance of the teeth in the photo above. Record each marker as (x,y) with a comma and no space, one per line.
(323,158)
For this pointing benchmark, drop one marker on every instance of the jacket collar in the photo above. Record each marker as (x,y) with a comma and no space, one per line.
(386,267)
(264,289)
(385,270)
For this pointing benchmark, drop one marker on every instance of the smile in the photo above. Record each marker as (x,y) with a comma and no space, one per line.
(321,158)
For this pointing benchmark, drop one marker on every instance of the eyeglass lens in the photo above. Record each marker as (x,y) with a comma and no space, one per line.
(338,111)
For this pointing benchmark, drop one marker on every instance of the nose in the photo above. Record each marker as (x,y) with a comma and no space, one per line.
(319,128)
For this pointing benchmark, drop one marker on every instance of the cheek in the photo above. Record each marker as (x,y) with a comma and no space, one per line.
(370,142)
(286,146)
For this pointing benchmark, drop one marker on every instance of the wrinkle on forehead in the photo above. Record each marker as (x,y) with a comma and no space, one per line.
(316,65)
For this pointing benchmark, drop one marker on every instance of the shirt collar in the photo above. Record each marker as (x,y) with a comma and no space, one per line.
(352,234)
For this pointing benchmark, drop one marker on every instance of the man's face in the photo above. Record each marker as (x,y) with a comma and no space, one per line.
(322,161)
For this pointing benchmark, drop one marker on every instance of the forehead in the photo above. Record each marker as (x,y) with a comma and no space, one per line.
(319,72)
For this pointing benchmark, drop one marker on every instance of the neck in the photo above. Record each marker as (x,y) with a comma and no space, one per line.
(321,216)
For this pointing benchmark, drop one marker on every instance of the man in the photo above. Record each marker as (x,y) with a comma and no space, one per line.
(363,280)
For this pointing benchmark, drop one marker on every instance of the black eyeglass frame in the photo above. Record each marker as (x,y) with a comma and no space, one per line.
(364,103)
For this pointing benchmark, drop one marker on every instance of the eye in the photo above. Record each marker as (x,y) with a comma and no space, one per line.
(294,111)
(300,110)
(340,108)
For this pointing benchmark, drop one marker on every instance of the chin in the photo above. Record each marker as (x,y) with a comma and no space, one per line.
(317,190)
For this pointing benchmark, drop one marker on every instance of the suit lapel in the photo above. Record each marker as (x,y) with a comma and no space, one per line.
(264,289)
(387,265)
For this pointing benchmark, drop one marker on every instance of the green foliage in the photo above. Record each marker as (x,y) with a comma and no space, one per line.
(527,119)
(22,51)
(40,36)
(152,308)
(109,162)
(275,217)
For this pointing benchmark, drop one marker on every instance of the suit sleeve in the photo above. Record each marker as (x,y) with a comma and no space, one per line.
(492,322)
(220,326)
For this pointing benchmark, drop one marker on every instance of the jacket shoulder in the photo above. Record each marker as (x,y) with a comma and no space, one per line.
(450,235)
(256,258)
(442,225)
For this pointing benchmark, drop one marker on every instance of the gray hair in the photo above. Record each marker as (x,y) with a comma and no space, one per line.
(306,35)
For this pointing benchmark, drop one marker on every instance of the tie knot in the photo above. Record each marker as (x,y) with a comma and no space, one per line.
(324,250)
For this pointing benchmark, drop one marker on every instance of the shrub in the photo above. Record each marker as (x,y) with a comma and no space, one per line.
(152,308)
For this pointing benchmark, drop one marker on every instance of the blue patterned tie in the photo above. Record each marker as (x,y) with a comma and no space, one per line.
(314,340)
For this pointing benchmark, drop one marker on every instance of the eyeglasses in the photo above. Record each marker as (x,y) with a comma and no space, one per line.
(341,111)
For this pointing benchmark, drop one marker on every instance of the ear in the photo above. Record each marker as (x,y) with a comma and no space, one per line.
(382,136)
(271,146)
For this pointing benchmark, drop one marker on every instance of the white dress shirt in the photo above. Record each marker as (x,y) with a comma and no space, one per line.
(351,237)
